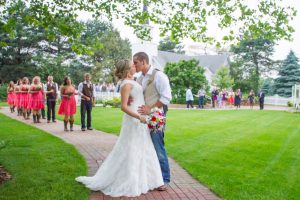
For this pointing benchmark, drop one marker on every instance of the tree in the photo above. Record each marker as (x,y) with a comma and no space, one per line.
(254,57)
(171,46)
(183,74)
(222,78)
(114,48)
(268,86)
(180,19)
(289,75)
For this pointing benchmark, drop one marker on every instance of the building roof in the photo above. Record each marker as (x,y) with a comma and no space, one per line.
(211,62)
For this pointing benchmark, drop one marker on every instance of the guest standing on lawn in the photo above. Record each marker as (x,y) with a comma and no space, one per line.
(87,92)
(237,98)
(189,98)
(201,96)
(68,103)
(251,99)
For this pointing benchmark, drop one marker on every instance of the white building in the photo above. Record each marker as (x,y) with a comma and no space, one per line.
(159,59)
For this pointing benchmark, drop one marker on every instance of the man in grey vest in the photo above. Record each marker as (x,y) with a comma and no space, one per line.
(157,93)
(51,90)
(87,92)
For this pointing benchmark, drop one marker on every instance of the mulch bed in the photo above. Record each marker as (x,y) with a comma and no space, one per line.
(4,175)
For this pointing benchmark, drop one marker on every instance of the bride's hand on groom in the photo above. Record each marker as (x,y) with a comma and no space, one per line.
(144,110)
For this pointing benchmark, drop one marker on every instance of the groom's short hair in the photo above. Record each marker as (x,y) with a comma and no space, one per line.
(142,56)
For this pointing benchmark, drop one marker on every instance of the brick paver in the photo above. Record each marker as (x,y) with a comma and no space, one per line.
(96,145)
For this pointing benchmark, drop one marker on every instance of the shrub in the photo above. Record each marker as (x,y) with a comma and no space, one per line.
(115,102)
(3,94)
(290,104)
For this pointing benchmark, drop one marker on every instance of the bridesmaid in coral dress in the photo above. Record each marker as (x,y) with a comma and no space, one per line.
(67,106)
(36,100)
(11,96)
(17,97)
(24,98)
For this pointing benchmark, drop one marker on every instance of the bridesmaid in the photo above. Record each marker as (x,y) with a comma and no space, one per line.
(17,97)
(68,104)
(24,98)
(36,100)
(11,96)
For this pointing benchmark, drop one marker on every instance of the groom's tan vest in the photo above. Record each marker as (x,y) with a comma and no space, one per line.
(150,93)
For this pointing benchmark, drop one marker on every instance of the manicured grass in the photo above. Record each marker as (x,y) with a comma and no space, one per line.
(42,166)
(239,154)
(3,104)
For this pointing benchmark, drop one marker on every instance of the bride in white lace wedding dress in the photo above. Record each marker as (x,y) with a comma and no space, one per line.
(132,168)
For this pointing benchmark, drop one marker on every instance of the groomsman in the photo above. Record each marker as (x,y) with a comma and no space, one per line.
(261,100)
(87,92)
(51,90)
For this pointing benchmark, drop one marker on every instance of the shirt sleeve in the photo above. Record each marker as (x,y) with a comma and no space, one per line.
(163,87)
(94,90)
(80,87)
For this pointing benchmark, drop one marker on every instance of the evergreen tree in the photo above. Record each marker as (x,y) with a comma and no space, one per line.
(289,75)
(268,86)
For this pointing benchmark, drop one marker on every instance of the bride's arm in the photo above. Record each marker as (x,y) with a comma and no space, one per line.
(125,91)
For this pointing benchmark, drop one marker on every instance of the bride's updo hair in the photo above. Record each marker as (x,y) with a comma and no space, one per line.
(122,68)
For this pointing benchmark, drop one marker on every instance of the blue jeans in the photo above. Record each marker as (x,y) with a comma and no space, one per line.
(158,142)
(86,107)
(201,102)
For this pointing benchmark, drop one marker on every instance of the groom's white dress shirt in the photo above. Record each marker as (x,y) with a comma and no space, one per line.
(162,85)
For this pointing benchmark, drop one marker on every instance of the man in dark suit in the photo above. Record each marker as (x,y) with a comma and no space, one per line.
(261,96)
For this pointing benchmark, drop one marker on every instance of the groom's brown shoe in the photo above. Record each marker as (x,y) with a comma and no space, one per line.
(162,188)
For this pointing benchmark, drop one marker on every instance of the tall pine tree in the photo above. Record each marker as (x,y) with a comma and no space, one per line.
(289,75)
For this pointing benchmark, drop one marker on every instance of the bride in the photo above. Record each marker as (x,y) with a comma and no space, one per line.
(132,168)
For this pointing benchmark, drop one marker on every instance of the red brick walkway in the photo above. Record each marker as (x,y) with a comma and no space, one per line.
(95,146)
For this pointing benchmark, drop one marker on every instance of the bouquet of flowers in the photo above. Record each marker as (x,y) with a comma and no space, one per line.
(156,120)
(38,88)
(69,94)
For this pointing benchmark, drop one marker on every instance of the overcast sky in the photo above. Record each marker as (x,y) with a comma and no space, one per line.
(281,50)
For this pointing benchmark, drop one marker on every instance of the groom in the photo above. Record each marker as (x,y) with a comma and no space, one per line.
(157,93)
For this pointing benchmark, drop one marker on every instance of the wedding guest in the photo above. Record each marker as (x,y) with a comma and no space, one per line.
(237,98)
(189,98)
(68,104)
(251,99)
(201,96)
(231,99)
(87,92)
(11,96)
(261,99)
(36,100)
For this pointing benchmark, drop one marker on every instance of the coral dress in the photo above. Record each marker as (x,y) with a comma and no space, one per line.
(231,100)
(17,97)
(24,97)
(10,97)
(36,100)
(68,104)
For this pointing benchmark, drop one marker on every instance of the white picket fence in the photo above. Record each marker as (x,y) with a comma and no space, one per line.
(277,100)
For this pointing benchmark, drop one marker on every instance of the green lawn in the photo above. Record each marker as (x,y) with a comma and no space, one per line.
(239,154)
(42,166)
(3,104)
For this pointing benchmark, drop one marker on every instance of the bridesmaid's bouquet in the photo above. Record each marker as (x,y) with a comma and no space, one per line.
(156,120)
(38,88)
(69,94)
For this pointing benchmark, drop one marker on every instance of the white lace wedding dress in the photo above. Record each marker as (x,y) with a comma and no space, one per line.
(132,168)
